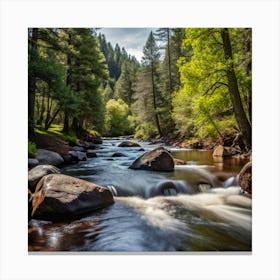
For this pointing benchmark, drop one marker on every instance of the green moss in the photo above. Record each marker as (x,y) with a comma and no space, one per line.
(56,130)
(31,149)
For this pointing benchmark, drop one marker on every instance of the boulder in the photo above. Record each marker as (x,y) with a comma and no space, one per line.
(60,197)
(86,144)
(158,159)
(36,173)
(118,155)
(91,153)
(218,151)
(97,140)
(90,145)
(78,156)
(78,149)
(32,162)
(245,178)
(49,157)
(68,158)
(128,144)
(221,151)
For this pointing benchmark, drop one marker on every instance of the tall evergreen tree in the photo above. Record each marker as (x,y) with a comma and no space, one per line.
(151,62)
(125,85)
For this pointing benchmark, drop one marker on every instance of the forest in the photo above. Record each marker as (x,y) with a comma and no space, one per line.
(192,83)
(124,154)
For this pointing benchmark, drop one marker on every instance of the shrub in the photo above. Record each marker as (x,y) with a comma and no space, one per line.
(145,131)
(31,149)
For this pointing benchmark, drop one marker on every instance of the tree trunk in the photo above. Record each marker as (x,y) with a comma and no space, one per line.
(68,81)
(66,123)
(75,125)
(48,124)
(169,62)
(154,101)
(42,110)
(205,111)
(48,112)
(239,112)
(32,87)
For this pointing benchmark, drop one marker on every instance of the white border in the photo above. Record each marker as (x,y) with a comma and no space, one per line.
(16,16)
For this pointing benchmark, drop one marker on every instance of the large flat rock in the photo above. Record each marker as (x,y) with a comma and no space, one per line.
(158,159)
(61,197)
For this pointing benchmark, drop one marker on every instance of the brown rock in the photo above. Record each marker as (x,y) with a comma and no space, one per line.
(36,173)
(61,197)
(158,159)
(219,151)
(129,144)
(245,178)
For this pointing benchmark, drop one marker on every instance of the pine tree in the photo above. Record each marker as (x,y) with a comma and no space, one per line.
(151,62)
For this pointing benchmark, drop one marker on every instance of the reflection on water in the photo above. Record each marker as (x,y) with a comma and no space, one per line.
(146,215)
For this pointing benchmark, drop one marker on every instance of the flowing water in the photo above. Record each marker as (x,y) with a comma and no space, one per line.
(190,209)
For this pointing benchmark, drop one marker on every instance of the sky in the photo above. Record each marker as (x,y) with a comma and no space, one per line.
(132,39)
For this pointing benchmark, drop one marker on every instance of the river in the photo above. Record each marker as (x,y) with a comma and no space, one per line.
(201,212)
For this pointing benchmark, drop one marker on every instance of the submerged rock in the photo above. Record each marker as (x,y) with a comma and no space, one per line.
(118,155)
(36,173)
(129,144)
(91,153)
(61,197)
(170,188)
(49,157)
(158,159)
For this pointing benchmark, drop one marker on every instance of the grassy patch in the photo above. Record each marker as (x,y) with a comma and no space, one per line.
(31,149)
(56,130)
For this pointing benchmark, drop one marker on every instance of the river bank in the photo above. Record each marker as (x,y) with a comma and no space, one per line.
(195,199)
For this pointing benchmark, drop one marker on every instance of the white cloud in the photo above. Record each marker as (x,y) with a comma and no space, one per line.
(132,39)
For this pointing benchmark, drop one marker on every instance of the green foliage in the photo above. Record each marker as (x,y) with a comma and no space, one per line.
(93,132)
(31,149)
(116,118)
(203,106)
(81,80)
(145,131)
(125,86)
